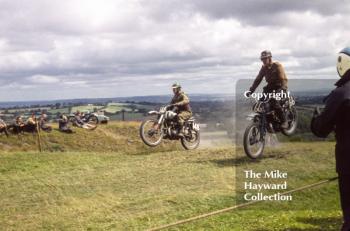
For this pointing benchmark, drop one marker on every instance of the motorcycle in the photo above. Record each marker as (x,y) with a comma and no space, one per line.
(88,121)
(264,120)
(165,126)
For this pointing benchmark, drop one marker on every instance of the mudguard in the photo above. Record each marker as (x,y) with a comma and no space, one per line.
(153,113)
(251,116)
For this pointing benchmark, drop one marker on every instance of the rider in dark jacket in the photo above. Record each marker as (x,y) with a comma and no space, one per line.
(276,79)
(336,117)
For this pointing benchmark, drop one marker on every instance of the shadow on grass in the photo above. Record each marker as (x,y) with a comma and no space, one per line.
(149,151)
(320,224)
(231,162)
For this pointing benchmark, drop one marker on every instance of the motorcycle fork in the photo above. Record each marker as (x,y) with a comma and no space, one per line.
(187,129)
(262,128)
(157,125)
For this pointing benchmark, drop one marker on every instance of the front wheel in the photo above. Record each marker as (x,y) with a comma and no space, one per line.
(91,123)
(292,119)
(191,140)
(253,141)
(151,133)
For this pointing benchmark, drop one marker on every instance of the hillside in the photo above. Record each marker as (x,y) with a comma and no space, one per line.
(108,180)
(114,137)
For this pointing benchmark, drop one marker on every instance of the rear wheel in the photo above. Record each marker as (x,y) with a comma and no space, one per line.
(253,141)
(151,133)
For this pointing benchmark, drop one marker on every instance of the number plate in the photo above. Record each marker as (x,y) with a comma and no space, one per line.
(196,126)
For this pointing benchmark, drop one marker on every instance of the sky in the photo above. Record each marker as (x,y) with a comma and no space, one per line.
(109,48)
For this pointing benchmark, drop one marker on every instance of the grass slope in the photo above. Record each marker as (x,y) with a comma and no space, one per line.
(109,191)
(114,137)
(109,180)
(313,209)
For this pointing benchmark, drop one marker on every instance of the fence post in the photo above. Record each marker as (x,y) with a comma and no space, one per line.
(123,114)
(38,135)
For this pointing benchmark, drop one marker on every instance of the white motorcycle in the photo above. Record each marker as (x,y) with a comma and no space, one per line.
(165,126)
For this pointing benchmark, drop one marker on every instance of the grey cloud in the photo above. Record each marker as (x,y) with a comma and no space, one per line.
(268,12)
(144,45)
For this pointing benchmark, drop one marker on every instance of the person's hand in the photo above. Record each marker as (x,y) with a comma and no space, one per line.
(169,106)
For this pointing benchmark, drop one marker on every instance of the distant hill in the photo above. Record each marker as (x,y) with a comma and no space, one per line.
(137,99)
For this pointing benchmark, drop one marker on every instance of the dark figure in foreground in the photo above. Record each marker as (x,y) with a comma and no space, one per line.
(276,82)
(336,117)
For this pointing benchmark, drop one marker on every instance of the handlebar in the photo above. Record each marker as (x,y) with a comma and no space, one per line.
(260,99)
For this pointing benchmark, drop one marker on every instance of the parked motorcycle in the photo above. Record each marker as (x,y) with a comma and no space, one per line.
(87,121)
(165,126)
(264,120)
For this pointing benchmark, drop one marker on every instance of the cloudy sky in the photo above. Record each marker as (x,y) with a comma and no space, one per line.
(89,48)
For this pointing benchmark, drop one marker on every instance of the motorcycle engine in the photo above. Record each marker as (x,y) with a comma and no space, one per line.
(169,115)
(172,132)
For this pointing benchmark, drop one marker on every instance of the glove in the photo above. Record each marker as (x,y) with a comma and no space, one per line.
(169,106)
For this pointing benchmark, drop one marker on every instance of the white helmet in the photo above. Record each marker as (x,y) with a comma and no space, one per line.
(343,64)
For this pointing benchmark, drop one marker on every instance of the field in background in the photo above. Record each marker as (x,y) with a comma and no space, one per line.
(114,110)
(108,180)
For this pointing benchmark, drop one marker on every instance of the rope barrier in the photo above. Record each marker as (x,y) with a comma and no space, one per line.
(237,206)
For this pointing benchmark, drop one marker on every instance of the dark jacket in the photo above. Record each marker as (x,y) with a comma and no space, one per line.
(182,102)
(336,117)
(274,75)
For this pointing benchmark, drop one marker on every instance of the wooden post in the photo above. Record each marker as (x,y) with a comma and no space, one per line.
(38,135)
(123,114)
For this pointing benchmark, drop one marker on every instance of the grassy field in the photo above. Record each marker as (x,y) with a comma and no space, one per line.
(108,180)
(313,209)
(115,107)
(85,108)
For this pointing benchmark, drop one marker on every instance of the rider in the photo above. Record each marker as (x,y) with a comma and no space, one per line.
(182,103)
(19,121)
(63,122)
(43,122)
(31,123)
(78,116)
(276,82)
(31,120)
(336,117)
